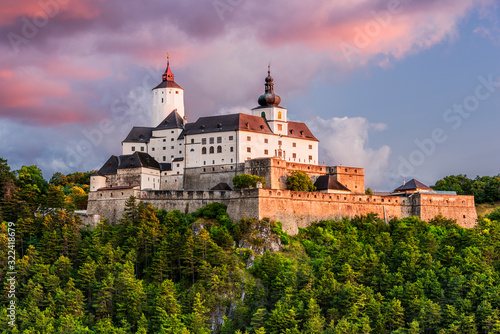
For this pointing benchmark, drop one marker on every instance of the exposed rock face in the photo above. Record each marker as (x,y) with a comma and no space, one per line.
(260,238)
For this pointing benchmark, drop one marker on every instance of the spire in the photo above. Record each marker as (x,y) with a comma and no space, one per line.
(168,75)
(269,98)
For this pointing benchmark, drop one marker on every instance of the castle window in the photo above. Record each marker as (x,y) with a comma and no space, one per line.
(164,140)
(249,138)
(164,158)
(204,163)
(213,162)
(191,150)
(464,216)
(153,149)
(180,152)
(142,149)
(219,140)
(280,143)
(231,161)
(280,127)
(178,165)
(204,169)
(266,152)
(249,149)
(164,148)
(176,92)
(310,147)
(203,141)
(263,114)
(355,171)
(231,137)
(213,169)
(346,170)
(204,150)
(279,114)
(192,141)
(133,148)
(266,141)
(211,150)
(294,144)
(162,100)
(171,147)
(211,140)
(231,149)
(219,149)
(294,155)
(310,157)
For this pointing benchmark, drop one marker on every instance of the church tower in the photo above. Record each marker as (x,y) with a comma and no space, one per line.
(270,110)
(167,97)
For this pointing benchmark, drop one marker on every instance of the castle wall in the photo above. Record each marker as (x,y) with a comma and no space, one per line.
(293,209)
(352,178)
(275,171)
(299,209)
(110,204)
(460,208)
(206,177)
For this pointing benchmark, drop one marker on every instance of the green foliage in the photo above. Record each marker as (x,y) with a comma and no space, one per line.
(241,181)
(485,189)
(368,191)
(299,181)
(166,272)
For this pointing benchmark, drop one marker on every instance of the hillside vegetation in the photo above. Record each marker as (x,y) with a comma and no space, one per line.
(167,272)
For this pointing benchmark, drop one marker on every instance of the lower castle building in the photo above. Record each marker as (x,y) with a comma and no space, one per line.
(177,165)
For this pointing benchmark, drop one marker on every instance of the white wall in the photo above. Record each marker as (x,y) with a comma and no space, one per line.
(173,98)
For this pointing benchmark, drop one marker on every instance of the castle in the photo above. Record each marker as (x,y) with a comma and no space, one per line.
(178,165)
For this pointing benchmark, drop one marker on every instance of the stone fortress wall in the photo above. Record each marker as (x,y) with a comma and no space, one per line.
(293,209)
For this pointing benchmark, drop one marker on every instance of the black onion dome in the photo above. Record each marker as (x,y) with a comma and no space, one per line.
(269,98)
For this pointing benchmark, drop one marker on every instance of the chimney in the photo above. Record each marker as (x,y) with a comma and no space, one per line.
(404,182)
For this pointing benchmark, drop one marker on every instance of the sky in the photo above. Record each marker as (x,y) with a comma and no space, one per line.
(405,89)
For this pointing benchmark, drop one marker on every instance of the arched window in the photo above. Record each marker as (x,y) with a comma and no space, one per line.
(219,149)
(211,150)
(204,150)
(279,114)
(263,114)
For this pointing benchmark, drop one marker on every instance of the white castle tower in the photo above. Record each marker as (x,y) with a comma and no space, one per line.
(167,97)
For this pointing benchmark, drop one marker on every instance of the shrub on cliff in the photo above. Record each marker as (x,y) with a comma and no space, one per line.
(247,180)
(299,181)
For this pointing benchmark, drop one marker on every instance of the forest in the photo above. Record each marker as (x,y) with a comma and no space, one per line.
(170,272)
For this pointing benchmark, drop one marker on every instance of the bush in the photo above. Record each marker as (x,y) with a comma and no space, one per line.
(247,180)
(299,181)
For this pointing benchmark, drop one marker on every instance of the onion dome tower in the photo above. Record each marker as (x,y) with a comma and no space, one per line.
(270,109)
(269,98)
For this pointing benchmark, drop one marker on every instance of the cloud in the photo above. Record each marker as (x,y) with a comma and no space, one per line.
(345,141)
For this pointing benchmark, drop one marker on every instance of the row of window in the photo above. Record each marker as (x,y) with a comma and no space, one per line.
(211,150)
(211,140)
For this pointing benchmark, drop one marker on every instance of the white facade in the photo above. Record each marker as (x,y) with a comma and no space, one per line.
(212,141)
(166,100)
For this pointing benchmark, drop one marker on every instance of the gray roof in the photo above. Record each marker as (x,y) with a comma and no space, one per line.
(168,84)
(325,182)
(412,185)
(136,160)
(232,122)
(222,186)
(172,121)
(139,134)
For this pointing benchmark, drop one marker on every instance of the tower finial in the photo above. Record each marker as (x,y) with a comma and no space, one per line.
(168,75)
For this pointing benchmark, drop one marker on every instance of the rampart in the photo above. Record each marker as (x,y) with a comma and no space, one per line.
(293,209)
